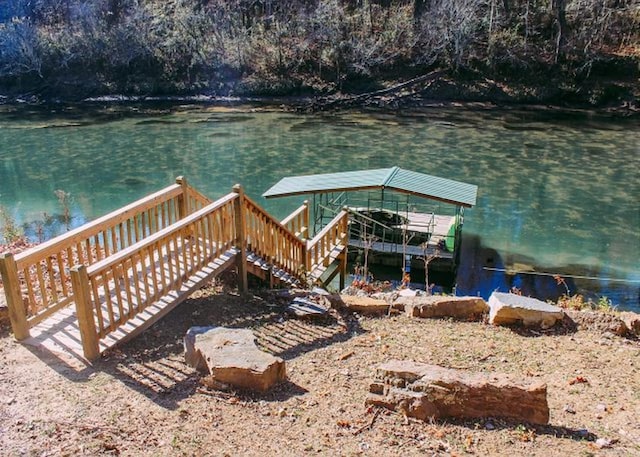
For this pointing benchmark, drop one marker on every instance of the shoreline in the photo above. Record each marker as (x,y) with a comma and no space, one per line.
(304,105)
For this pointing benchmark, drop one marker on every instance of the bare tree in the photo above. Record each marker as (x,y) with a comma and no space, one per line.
(427,257)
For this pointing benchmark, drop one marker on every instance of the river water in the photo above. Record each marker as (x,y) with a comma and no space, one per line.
(558,193)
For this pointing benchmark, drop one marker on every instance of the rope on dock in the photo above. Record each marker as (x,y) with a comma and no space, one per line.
(537,273)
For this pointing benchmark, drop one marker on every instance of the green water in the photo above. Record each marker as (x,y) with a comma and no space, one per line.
(558,192)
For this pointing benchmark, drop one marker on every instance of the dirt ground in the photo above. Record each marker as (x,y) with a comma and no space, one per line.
(142,399)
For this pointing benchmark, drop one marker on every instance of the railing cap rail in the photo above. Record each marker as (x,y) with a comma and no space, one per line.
(275,222)
(116,258)
(295,213)
(322,233)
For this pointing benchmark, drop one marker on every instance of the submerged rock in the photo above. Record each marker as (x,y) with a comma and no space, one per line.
(432,392)
(507,309)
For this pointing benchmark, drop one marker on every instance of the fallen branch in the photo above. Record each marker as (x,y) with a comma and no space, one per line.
(369,425)
(351,100)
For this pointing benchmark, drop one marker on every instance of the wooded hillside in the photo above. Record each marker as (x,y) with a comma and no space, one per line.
(80,48)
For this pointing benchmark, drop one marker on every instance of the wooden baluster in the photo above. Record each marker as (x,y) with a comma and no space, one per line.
(98,309)
(63,274)
(41,284)
(118,293)
(105,243)
(154,273)
(33,305)
(121,235)
(129,239)
(96,244)
(87,246)
(145,281)
(161,264)
(136,284)
(52,281)
(107,300)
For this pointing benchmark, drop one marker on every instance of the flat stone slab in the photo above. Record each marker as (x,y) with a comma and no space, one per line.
(363,305)
(428,392)
(232,357)
(508,309)
(438,306)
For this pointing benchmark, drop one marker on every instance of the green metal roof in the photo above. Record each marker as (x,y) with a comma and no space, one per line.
(395,178)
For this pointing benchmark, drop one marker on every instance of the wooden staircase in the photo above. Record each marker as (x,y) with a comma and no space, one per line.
(109,280)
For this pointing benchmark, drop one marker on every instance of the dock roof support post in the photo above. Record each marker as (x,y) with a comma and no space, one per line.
(241,241)
(84,310)
(17,311)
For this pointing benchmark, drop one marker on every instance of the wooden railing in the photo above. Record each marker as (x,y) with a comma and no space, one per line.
(328,243)
(116,289)
(271,240)
(298,221)
(37,281)
(149,251)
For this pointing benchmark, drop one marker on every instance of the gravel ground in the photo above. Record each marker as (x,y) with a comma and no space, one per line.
(142,399)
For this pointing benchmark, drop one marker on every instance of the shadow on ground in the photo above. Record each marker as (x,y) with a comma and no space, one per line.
(153,363)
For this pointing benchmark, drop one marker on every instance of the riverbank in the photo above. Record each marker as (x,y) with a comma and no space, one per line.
(142,399)
(610,98)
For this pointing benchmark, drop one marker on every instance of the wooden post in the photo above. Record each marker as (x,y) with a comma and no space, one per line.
(307,258)
(84,310)
(183,200)
(241,240)
(305,220)
(17,312)
(343,269)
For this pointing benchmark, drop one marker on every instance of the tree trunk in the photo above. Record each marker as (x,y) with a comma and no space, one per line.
(559,9)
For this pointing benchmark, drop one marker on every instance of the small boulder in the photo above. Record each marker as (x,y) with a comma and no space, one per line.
(305,308)
(232,357)
(632,321)
(467,308)
(432,392)
(507,309)
(363,305)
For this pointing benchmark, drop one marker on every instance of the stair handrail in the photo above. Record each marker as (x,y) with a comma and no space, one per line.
(320,247)
(298,221)
(293,265)
(150,240)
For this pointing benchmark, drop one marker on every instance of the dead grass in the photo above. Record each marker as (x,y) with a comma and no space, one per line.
(144,400)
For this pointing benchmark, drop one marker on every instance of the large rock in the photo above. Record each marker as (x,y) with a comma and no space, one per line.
(507,309)
(433,392)
(363,305)
(467,308)
(232,357)
(632,321)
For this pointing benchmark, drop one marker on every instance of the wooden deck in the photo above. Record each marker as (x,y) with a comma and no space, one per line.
(437,225)
(395,248)
(60,333)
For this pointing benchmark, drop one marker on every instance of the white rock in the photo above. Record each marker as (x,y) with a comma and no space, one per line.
(506,309)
